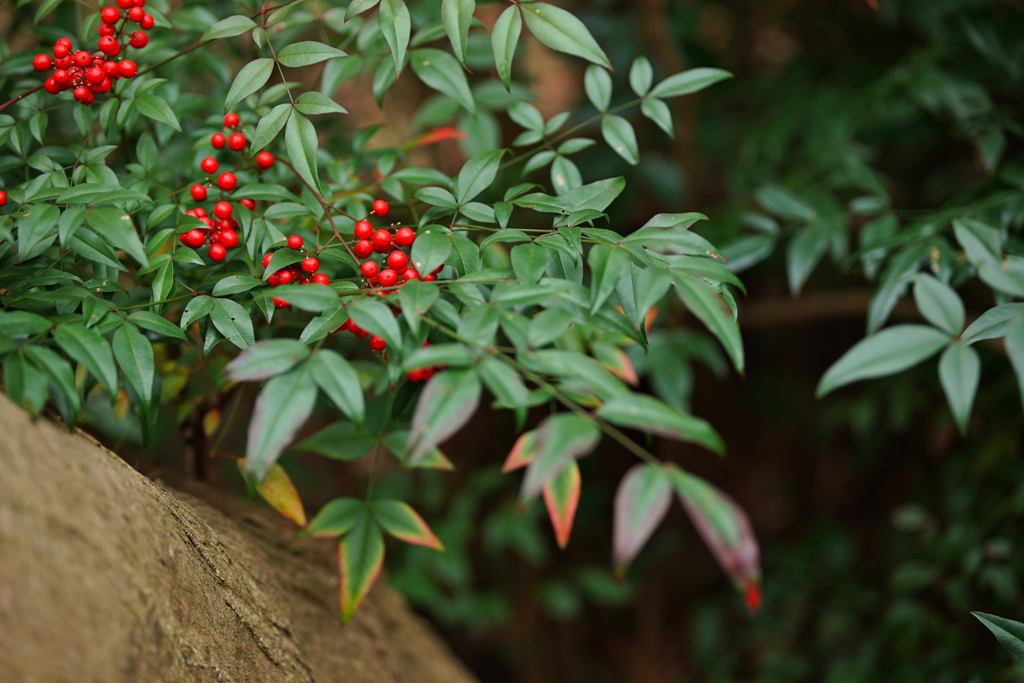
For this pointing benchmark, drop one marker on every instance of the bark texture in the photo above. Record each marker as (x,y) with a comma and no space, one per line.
(108,576)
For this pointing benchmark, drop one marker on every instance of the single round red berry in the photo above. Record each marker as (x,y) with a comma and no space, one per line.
(415,375)
(61,48)
(95,75)
(42,62)
(51,85)
(111,69)
(82,59)
(404,237)
(370,269)
(3,197)
(209,165)
(295,242)
(310,265)
(321,279)
(363,230)
(138,3)
(65,62)
(362,334)
(125,4)
(218,252)
(429,278)
(381,240)
(200,212)
(274,279)
(410,274)
(237,141)
(378,343)
(380,207)
(231,120)
(128,68)
(198,192)
(227,181)
(108,45)
(388,277)
(136,13)
(398,260)
(147,21)
(284,277)
(266,259)
(218,140)
(138,39)
(363,248)
(105,30)
(247,203)
(264,159)
(229,238)
(223,209)
(280,303)
(110,15)
(62,77)
(81,93)
(194,238)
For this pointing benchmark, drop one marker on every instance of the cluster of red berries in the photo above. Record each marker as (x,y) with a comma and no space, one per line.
(395,266)
(236,142)
(304,272)
(89,74)
(221,230)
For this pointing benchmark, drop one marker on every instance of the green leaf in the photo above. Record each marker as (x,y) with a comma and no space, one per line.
(620,136)
(196,309)
(960,373)
(339,380)
(37,230)
(442,72)
(313,103)
(477,174)
(1015,350)
(358,7)
(648,414)
(148,320)
(707,304)
(339,441)
(360,558)
(455,355)
(116,227)
(156,108)
(641,75)
(885,353)
(993,323)
(336,517)
(394,22)
(227,28)
(560,439)
(233,322)
(251,78)
(61,377)
(939,303)
(306,52)
(1009,633)
(457,15)
(563,32)
(134,354)
(301,143)
(416,297)
(282,407)
(689,81)
(431,249)
(265,359)
(607,265)
(803,254)
(504,39)
(504,382)
(308,297)
(529,262)
(377,319)
(269,126)
(401,521)
(783,203)
(436,196)
(598,85)
(235,284)
(562,497)
(641,502)
(444,406)
(89,348)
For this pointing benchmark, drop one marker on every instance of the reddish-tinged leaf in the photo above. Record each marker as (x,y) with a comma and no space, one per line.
(360,558)
(562,497)
(641,502)
(523,451)
(278,490)
(446,404)
(561,439)
(725,528)
(439,135)
(405,524)
(616,361)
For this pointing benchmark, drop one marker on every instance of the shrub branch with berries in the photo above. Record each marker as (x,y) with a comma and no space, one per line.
(141,234)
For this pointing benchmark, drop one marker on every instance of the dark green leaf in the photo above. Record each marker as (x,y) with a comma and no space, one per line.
(620,136)
(234,323)
(563,32)
(650,415)
(457,15)
(442,72)
(960,373)
(339,380)
(156,108)
(251,78)
(885,353)
(266,359)
(395,24)
(90,349)
(444,406)
(504,38)
(301,142)
(227,28)
(939,304)
(306,52)
(281,408)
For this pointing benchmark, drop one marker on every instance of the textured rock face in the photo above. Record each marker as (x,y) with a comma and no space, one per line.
(107,576)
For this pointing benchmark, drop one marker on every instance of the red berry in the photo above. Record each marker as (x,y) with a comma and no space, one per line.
(200,211)
(138,39)
(428,373)
(321,279)
(266,259)
(82,59)
(280,303)
(231,120)
(81,93)
(429,278)
(51,86)
(410,274)
(223,209)
(209,165)
(103,86)
(207,221)
(218,252)
(247,203)
(125,4)
(380,207)
(362,334)
(295,242)
(111,69)
(95,75)
(108,45)
(415,375)
(198,192)
(147,21)
(138,3)
(369,269)
(381,240)
(64,62)
(388,277)
(310,265)
(363,230)
(194,238)
(404,237)
(105,30)
(3,197)
(227,181)
(229,238)
(237,141)
(42,62)
(264,159)
(62,77)
(363,248)
(110,15)
(284,277)
(136,13)
(398,260)
(378,343)
(218,140)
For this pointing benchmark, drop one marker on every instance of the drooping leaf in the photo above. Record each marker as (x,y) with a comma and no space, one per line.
(399,520)
(444,406)
(62,379)
(707,304)
(959,374)
(1009,633)
(416,298)
(269,126)
(641,502)
(641,75)
(396,26)
(1015,350)
(456,16)
(281,408)
(360,558)
(265,359)
(598,86)
(560,439)
(91,349)
(562,497)
(504,39)
(607,265)
(156,108)
(280,493)
(523,452)
(648,414)
(116,227)
(339,380)
(229,27)
(358,7)
(620,136)
(134,355)
(562,31)
(301,142)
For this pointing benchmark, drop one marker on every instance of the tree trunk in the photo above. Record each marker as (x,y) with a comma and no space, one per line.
(107,576)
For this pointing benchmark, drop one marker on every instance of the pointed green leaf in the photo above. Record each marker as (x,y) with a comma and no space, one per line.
(959,374)
(431,249)
(648,414)
(336,518)
(993,323)
(156,108)
(227,28)
(529,262)
(607,265)
(562,31)
(301,143)
(233,322)
(395,24)
(313,103)
(641,502)
(360,558)
(620,136)
(444,406)
(197,308)
(1015,350)
(117,229)
(560,439)
(504,39)
(306,52)
(939,303)
(457,15)
(358,7)
(598,85)
(265,359)
(282,407)
(443,73)
(1009,633)
(269,126)
(148,320)
(401,521)
(689,81)
(62,379)
(378,319)
(134,354)
(707,304)
(656,110)
(249,79)
(91,349)
(641,75)
(339,380)
(477,174)
(416,297)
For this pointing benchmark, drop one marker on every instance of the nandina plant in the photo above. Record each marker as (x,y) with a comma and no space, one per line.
(179,220)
